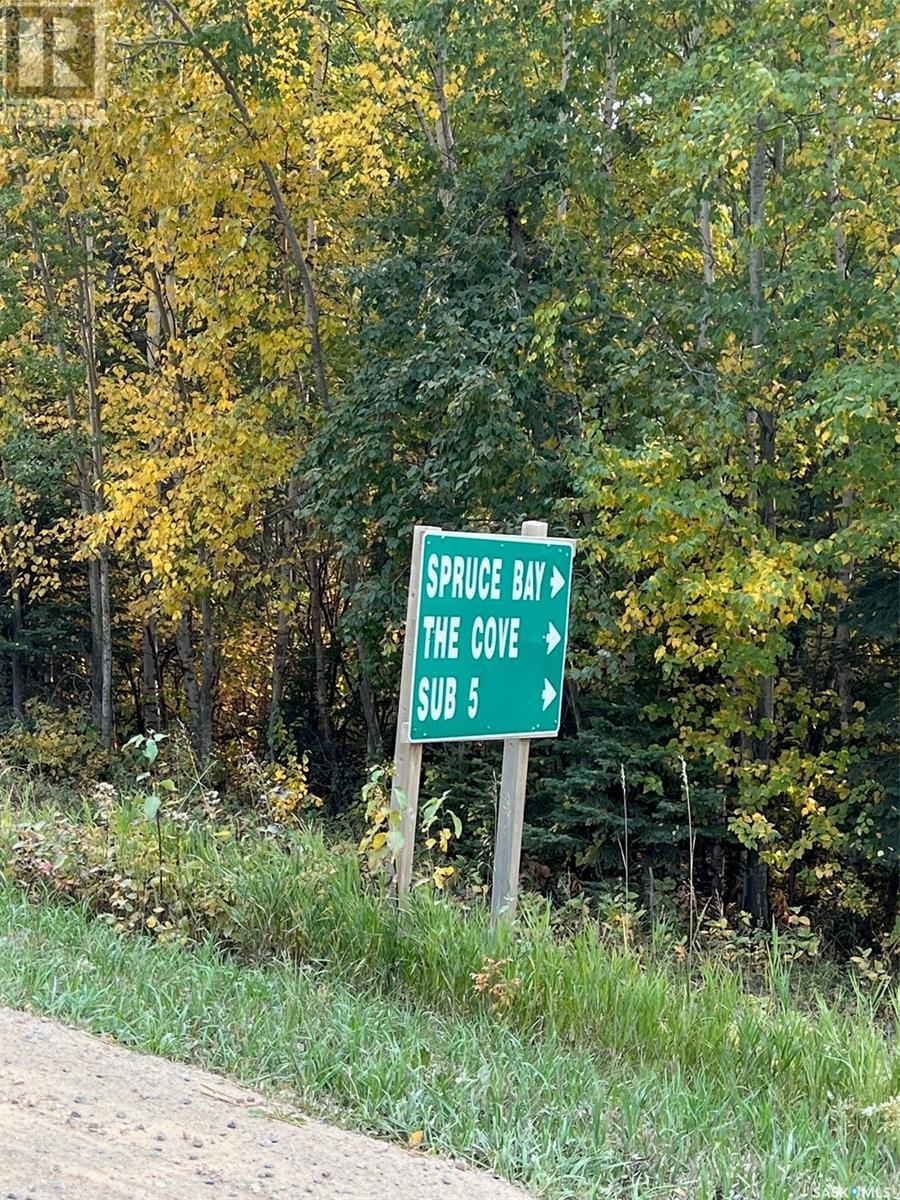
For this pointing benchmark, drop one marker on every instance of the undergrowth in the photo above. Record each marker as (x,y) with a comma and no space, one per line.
(580,1064)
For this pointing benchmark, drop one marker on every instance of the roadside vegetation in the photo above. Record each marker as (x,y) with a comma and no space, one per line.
(324,271)
(585,1054)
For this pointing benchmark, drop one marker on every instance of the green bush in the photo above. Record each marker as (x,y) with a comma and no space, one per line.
(54,744)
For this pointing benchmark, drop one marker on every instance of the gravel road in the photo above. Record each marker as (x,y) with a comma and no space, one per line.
(85,1119)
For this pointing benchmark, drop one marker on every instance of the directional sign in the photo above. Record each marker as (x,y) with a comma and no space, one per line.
(490,637)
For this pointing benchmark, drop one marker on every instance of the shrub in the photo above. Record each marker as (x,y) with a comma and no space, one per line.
(59,745)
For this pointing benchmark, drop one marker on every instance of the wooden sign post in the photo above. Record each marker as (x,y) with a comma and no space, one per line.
(483,658)
(407,754)
(511,806)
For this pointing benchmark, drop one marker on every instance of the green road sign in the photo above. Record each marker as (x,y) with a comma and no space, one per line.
(490,637)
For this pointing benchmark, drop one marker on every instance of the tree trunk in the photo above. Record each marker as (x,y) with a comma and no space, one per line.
(88,342)
(374,743)
(96,643)
(709,269)
(17,661)
(279,666)
(199,691)
(106,696)
(316,623)
(151,714)
(717,868)
(444,131)
(160,322)
(565,57)
(612,84)
(844,669)
(610,108)
(844,666)
(83,475)
(208,680)
(892,898)
(283,632)
(761,450)
(184,644)
(761,422)
(756,888)
(571,691)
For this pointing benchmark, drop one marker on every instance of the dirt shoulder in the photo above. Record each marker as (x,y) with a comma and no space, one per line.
(86,1119)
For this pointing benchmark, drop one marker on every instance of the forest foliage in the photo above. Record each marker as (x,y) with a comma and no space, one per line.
(323,270)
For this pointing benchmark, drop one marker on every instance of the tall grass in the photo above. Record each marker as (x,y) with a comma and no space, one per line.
(310,902)
(591,1117)
(578,1068)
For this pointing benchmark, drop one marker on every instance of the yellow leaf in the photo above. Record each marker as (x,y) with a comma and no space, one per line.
(415,1138)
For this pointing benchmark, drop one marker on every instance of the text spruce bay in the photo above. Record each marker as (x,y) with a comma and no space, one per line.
(490,636)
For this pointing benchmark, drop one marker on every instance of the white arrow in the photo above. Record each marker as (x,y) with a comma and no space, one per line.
(556,582)
(552,637)
(548,695)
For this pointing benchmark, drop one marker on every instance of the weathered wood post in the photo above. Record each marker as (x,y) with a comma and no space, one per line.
(407,754)
(511,807)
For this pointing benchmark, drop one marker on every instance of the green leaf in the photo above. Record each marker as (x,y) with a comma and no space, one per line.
(396,841)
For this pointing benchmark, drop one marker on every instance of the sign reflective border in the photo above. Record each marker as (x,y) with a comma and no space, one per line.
(490,637)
